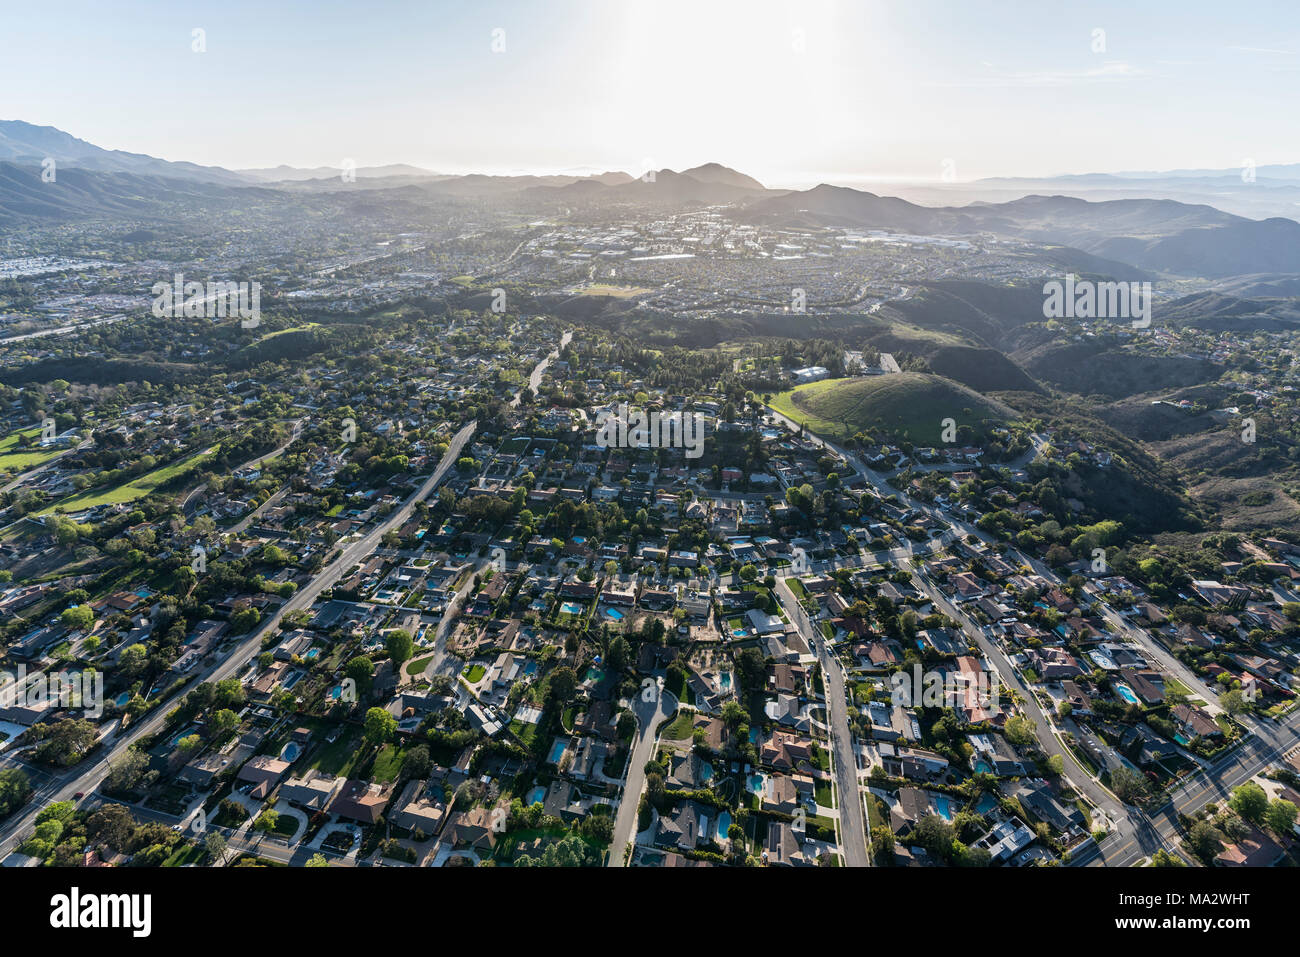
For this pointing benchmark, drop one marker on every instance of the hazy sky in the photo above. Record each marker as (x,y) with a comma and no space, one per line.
(791,92)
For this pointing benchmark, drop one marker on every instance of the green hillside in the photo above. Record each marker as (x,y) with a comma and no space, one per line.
(908,404)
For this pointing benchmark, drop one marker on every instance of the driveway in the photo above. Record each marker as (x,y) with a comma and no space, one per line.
(649,715)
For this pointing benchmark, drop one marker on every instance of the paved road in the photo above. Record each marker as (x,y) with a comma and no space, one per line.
(844,760)
(32,473)
(535,379)
(88,777)
(188,504)
(649,715)
(1132,828)
(1269,744)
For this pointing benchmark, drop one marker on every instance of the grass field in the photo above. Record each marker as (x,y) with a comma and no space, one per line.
(14,459)
(619,292)
(418,665)
(137,488)
(302,328)
(907,404)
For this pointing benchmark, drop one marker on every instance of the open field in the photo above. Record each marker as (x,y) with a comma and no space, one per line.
(902,405)
(137,488)
(14,459)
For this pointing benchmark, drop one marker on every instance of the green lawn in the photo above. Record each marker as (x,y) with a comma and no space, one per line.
(185,853)
(137,488)
(474,673)
(417,665)
(337,758)
(388,764)
(525,732)
(14,459)
(681,728)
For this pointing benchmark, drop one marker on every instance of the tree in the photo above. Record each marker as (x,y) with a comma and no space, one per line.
(267,821)
(317,860)
(1129,785)
(1250,801)
(77,618)
(1280,817)
(417,763)
(66,742)
(1020,731)
(111,824)
(360,669)
(125,772)
(400,647)
(734,714)
(563,683)
(132,659)
(379,726)
(215,844)
(1234,702)
(1162,858)
(60,811)
(222,723)
(618,654)
(15,788)
(936,835)
(1205,840)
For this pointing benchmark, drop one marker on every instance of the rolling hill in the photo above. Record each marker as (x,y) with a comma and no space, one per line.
(904,405)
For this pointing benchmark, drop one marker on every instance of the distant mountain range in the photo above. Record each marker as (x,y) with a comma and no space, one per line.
(1155,235)
(25,143)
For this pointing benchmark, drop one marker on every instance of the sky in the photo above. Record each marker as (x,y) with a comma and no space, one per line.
(792,93)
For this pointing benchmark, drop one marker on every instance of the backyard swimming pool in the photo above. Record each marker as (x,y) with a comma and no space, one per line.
(537,795)
(724,824)
(614,613)
(571,608)
(291,751)
(557,750)
(1125,692)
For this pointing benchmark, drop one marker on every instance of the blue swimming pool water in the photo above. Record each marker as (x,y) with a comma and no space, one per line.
(312,654)
(614,613)
(724,824)
(122,699)
(571,608)
(944,806)
(537,795)
(557,751)
(336,692)
(291,751)
(1126,692)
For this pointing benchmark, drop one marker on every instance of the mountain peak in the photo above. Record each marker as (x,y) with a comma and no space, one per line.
(717,173)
